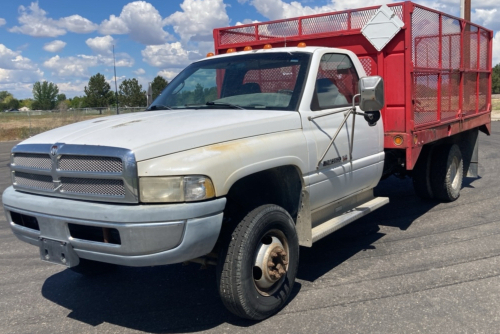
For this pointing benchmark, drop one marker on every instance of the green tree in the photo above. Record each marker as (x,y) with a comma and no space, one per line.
(4,94)
(61,97)
(131,93)
(495,79)
(26,103)
(98,92)
(78,102)
(158,85)
(45,95)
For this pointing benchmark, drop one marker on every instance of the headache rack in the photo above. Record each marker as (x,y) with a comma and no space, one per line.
(436,70)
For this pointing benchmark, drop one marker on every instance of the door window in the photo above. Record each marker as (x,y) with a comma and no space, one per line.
(336,82)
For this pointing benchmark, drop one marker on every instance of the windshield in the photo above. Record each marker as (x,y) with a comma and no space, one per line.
(251,81)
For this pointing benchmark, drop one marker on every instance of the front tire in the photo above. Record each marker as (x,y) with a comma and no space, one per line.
(258,263)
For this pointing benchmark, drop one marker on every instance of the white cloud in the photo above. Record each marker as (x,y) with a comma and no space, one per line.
(78,24)
(487,18)
(198,18)
(2,22)
(54,46)
(19,76)
(141,21)
(12,60)
(167,74)
(496,48)
(247,21)
(72,88)
(166,55)
(78,66)
(139,71)
(101,45)
(34,22)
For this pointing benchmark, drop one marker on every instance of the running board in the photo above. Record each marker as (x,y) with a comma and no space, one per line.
(332,225)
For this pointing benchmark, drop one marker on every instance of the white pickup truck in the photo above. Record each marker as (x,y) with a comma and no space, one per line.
(241,159)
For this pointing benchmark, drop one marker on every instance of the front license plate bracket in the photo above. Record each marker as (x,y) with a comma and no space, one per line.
(59,252)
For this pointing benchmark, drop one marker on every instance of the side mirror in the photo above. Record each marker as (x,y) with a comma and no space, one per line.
(371,90)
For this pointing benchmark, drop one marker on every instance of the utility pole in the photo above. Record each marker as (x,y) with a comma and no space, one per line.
(465,8)
(116,86)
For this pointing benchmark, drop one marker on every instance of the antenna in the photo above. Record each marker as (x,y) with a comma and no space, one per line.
(116,86)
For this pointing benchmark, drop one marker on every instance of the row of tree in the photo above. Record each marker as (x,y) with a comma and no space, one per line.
(98,93)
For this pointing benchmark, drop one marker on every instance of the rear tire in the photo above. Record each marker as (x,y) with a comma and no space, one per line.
(421,174)
(447,173)
(258,263)
(93,268)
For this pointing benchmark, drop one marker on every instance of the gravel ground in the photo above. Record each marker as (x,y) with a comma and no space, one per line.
(412,266)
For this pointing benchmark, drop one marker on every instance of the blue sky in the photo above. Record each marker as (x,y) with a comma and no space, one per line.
(68,41)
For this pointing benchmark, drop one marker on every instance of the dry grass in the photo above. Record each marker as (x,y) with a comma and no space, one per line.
(495,104)
(18,126)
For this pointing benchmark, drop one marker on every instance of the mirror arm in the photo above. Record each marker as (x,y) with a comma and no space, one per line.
(347,114)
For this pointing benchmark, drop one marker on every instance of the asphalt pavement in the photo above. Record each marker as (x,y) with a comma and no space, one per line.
(412,266)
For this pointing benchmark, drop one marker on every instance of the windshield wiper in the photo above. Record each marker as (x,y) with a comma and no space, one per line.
(159,107)
(213,103)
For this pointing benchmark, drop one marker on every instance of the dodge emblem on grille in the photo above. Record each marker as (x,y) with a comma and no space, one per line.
(53,150)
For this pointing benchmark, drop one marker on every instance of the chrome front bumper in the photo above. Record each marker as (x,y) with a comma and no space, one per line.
(149,234)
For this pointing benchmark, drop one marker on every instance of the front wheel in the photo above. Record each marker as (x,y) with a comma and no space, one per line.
(258,264)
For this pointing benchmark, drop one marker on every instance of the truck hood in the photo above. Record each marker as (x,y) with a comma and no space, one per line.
(156,133)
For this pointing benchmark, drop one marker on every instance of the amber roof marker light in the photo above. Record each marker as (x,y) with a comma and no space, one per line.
(301,45)
(268,46)
(247,48)
(230,50)
(210,54)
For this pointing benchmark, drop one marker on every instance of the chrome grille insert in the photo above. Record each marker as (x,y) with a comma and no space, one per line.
(85,172)
(35,181)
(93,186)
(31,160)
(96,164)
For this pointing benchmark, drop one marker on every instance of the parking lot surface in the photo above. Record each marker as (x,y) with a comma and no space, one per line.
(411,266)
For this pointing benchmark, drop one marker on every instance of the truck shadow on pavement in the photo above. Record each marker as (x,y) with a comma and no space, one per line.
(176,298)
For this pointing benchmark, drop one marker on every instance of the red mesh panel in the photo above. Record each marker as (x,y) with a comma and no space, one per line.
(450,45)
(483,49)
(450,90)
(483,91)
(279,29)
(273,79)
(469,103)
(237,35)
(425,35)
(328,23)
(369,65)
(425,98)
(470,47)
(360,18)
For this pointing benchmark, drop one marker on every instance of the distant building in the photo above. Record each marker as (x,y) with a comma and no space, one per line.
(24,109)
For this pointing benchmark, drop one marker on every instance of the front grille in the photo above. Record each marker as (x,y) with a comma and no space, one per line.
(93,186)
(35,181)
(85,172)
(31,160)
(96,164)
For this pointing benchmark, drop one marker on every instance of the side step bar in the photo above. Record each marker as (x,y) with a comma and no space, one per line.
(332,225)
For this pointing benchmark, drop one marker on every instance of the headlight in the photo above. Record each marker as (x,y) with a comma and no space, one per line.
(175,189)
